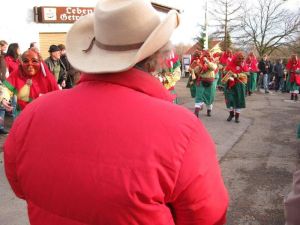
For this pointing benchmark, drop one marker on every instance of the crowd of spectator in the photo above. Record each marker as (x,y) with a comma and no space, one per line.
(276,75)
(19,86)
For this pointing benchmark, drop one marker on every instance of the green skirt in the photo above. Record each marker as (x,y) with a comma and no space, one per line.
(206,94)
(294,86)
(251,84)
(235,96)
(192,86)
(175,101)
(219,83)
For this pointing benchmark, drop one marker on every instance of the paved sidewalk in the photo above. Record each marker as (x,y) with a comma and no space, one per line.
(225,134)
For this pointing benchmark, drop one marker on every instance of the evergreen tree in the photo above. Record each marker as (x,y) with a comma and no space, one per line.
(226,43)
(226,16)
(200,39)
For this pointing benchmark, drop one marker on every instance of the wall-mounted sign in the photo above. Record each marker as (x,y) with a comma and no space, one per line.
(48,14)
(53,14)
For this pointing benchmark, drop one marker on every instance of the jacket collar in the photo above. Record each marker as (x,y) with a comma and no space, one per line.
(134,79)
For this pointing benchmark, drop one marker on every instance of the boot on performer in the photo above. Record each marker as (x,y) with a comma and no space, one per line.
(231,115)
(237,117)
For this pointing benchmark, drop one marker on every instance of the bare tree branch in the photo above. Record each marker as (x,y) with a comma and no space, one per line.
(227,18)
(269,26)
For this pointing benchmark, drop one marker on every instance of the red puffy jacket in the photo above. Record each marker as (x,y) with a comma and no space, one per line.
(112,150)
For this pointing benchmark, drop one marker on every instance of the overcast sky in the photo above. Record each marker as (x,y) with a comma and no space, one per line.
(193,14)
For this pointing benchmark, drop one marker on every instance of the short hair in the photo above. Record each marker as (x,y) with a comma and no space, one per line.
(2,43)
(32,44)
(61,47)
(151,61)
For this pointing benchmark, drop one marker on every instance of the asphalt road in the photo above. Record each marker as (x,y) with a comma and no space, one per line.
(257,158)
(258,168)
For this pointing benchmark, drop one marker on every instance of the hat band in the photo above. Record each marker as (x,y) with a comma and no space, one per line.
(112,47)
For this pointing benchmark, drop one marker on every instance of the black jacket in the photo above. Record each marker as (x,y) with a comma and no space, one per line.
(70,71)
(265,67)
(278,69)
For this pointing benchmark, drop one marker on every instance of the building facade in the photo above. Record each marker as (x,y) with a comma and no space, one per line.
(45,21)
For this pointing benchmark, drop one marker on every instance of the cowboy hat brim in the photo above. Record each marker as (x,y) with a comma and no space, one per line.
(99,60)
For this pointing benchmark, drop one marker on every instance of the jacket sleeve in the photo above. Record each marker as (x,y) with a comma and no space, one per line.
(49,64)
(199,196)
(62,73)
(271,67)
(260,66)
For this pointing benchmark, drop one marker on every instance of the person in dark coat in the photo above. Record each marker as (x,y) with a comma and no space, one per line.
(265,70)
(71,72)
(279,75)
(56,66)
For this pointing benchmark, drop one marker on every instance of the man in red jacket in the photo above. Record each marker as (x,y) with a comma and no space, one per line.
(114,149)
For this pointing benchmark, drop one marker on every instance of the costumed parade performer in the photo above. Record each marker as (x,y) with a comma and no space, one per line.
(252,64)
(191,84)
(235,81)
(204,69)
(216,57)
(293,67)
(225,59)
(31,80)
(165,66)
(170,72)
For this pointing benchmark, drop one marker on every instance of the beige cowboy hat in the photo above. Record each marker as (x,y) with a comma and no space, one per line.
(119,34)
